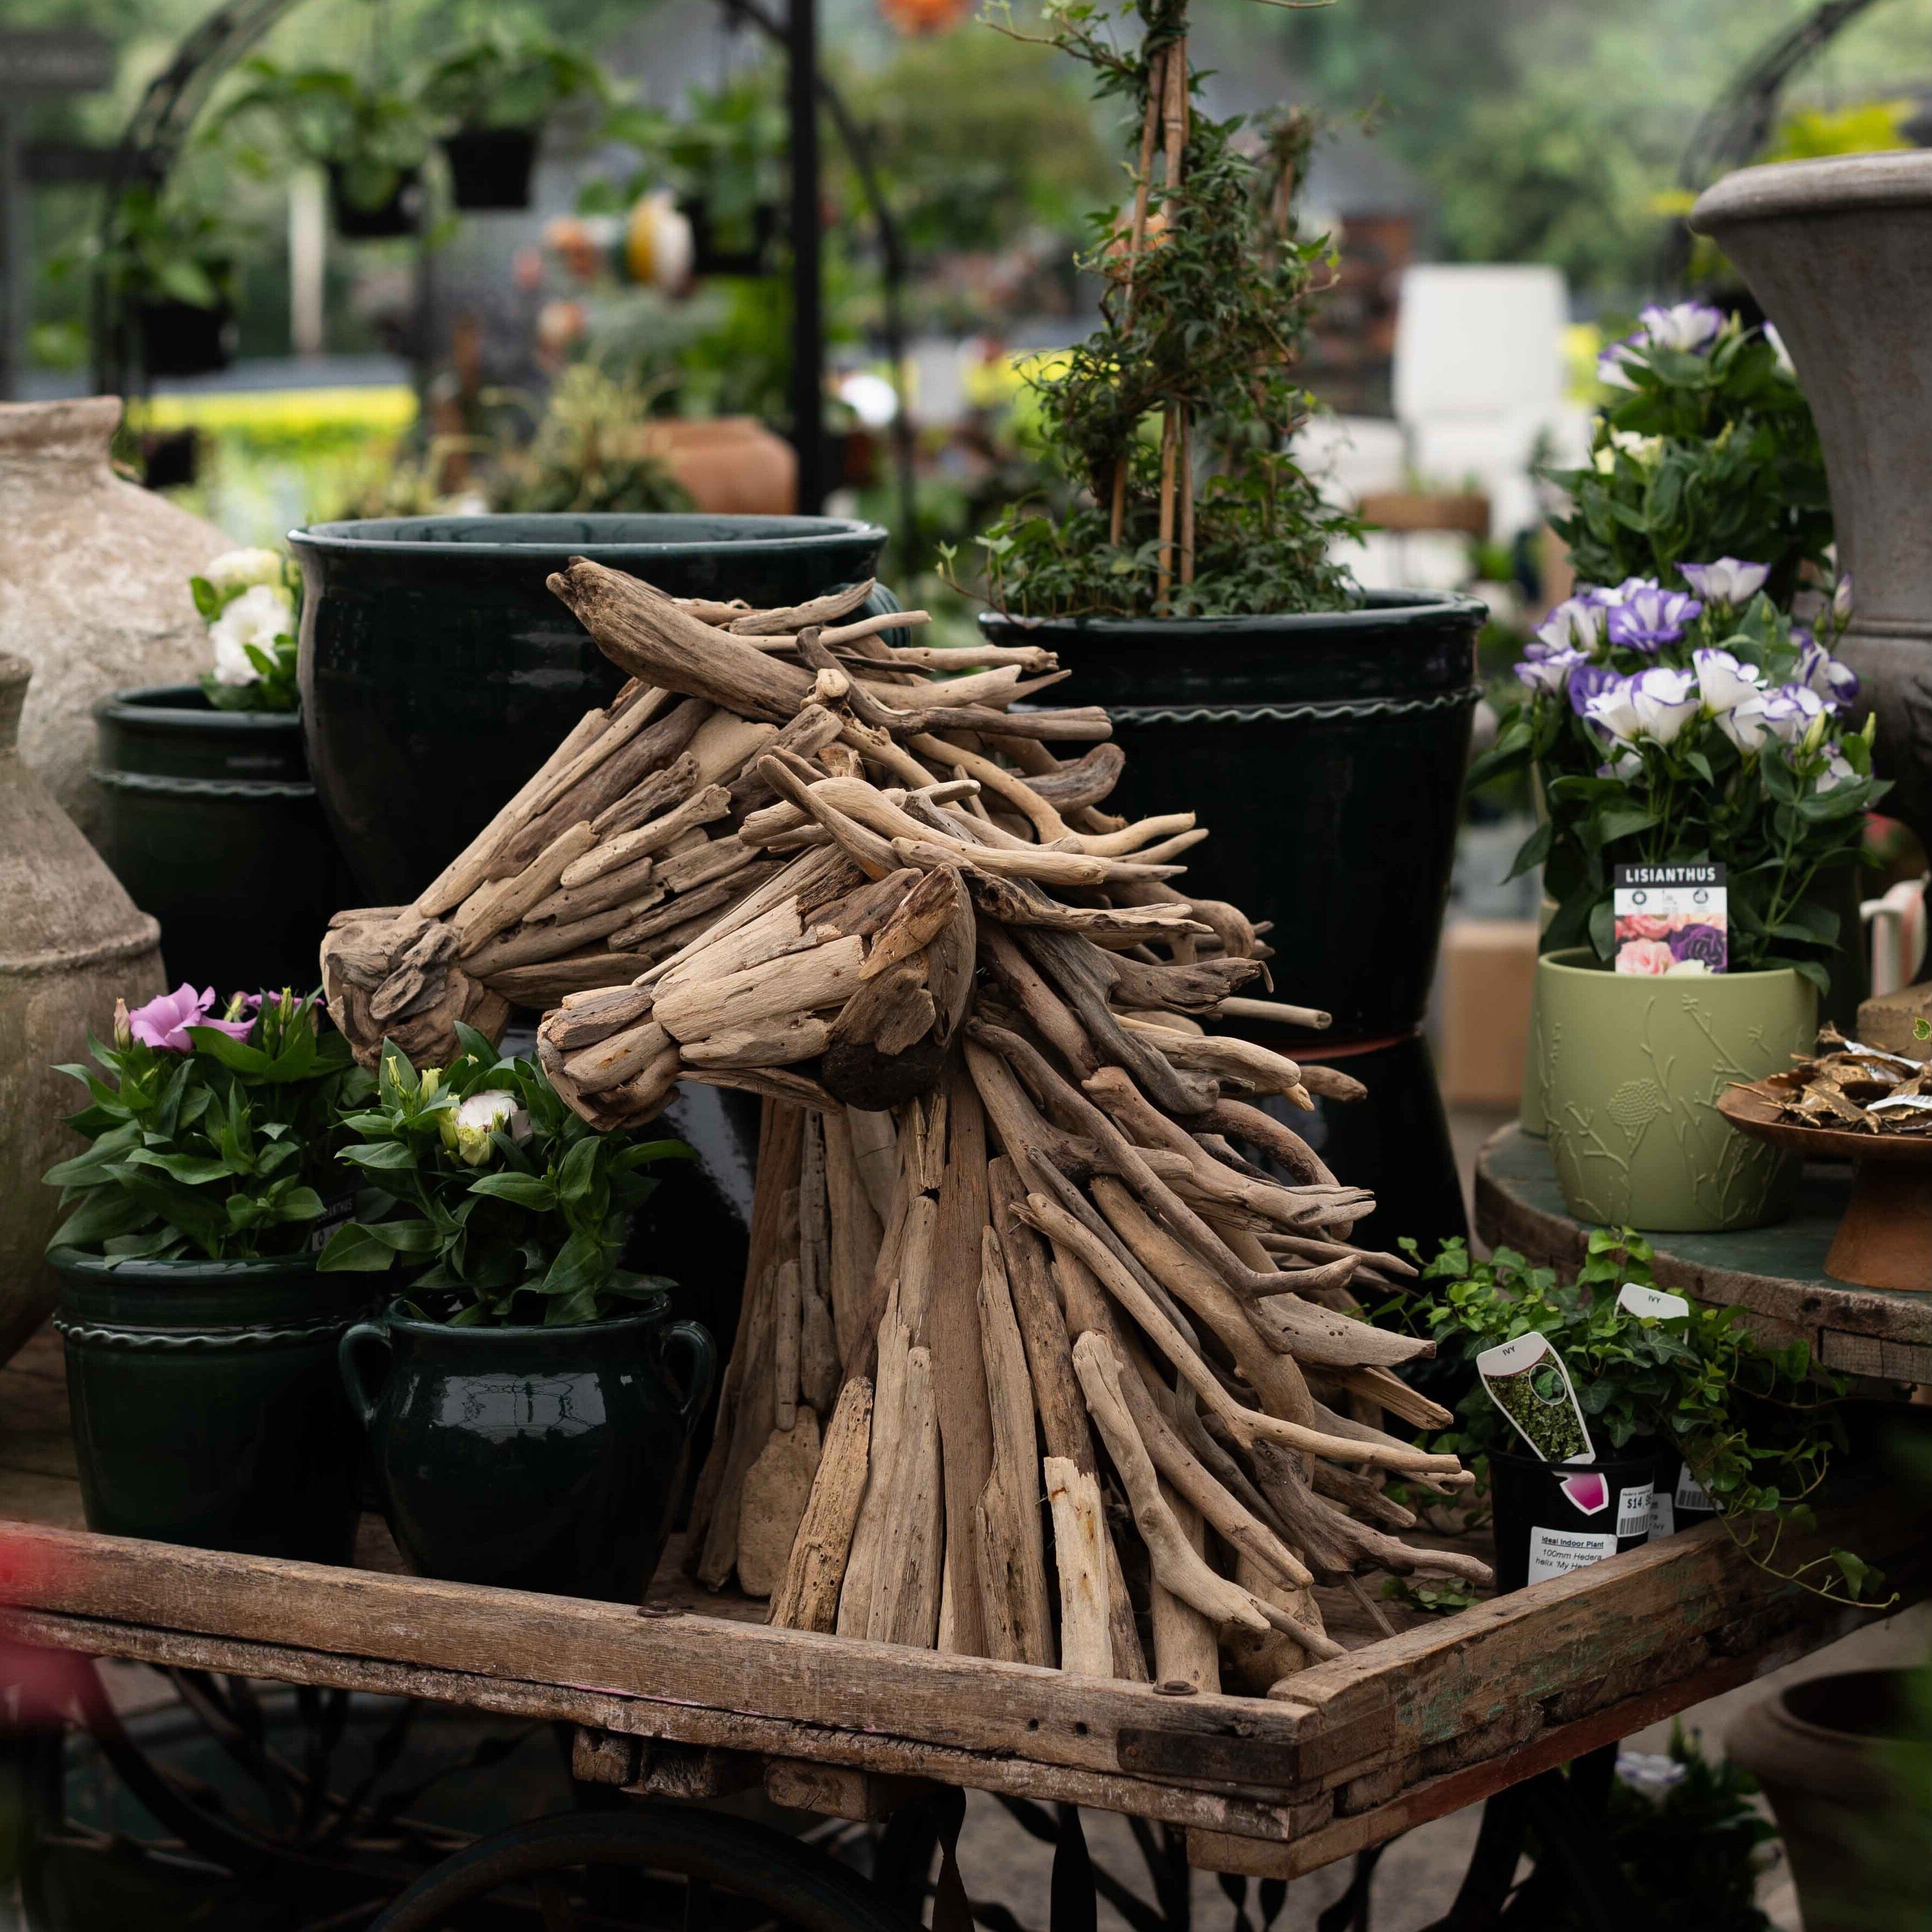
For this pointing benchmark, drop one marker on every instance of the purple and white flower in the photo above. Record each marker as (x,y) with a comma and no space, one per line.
(1650,618)
(1608,596)
(1838,770)
(1836,683)
(1576,623)
(1841,599)
(1546,668)
(1724,682)
(1729,583)
(1684,326)
(1655,704)
(1587,683)
(1785,715)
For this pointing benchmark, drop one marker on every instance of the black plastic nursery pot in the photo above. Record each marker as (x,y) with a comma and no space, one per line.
(209,820)
(178,339)
(1324,752)
(383,220)
(1554,1517)
(1681,1502)
(535,1459)
(490,168)
(206,1404)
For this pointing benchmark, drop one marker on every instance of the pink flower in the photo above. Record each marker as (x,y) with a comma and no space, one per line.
(1650,956)
(163,1022)
(1645,924)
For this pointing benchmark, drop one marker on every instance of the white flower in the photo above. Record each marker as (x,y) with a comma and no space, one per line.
(1683,326)
(467,1132)
(259,616)
(1723,682)
(1665,700)
(1627,764)
(1641,450)
(1839,771)
(1576,624)
(237,569)
(1836,683)
(1786,714)
(1544,669)
(1778,350)
(1729,581)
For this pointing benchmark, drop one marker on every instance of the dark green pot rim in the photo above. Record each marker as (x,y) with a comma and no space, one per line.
(648,1316)
(1382,610)
(184,707)
(143,1271)
(686,536)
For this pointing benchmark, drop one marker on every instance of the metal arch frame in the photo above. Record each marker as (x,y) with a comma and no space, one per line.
(1735,126)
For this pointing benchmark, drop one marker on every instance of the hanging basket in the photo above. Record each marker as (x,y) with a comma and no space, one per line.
(490,168)
(385,220)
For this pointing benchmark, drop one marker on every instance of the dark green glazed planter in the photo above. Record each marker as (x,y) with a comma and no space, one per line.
(438,671)
(207,1407)
(1325,754)
(209,819)
(535,1459)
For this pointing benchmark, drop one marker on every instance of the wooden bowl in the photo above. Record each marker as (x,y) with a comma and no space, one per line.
(1885,1240)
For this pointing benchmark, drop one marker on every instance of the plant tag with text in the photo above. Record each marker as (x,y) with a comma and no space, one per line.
(1527,1381)
(1670,918)
(1655,1302)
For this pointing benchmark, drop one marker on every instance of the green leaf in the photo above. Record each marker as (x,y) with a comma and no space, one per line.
(190,1170)
(382,1157)
(575,1177)
(525,1190)
(354,1249)
(236,1054)
(405,1238)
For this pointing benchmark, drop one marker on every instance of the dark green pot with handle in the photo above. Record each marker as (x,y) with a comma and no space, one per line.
(534,1459)
(207,1408)
(438,670)
(209,820)
(1324,752)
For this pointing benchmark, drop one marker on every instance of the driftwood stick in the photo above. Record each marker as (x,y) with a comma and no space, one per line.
(906,1591)
(807,1598)
(1079,1547)
(1186,1648)
(1038,1001)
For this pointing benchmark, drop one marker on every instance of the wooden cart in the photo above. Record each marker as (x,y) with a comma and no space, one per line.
(692,1696)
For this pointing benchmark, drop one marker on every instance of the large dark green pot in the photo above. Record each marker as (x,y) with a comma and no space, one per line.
(438,670)
(207,1407)
(1325,754)
(209,820)
(536,1459)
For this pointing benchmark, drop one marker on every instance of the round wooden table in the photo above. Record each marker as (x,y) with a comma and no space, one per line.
(1776,1273)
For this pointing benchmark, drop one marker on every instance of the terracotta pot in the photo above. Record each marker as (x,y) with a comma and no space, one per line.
(1846,1762)
(730,465)
(70,941)
(1633,1068)
(1839,254)
(93,583)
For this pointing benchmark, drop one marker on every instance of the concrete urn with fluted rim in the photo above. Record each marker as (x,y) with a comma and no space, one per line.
(70,942)
(93,584)
(1839,254)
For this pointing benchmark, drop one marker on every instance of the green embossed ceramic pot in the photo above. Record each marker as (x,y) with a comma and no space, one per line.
(1632,1069)
(206,1404)
(536,1459)
(210,820)
(1324,752)
(438,671)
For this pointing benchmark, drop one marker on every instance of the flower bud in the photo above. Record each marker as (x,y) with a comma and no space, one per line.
(124,1030)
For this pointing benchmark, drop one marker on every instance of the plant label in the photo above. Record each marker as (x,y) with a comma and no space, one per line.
(1691,1494)
(1527,1381)
(1670,918)
(1633,1509)
(1555,1552)
(1663,1516)
(1654,1303)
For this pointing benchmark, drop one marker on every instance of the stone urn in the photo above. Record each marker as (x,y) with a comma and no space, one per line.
(1839,253)
(93,591)
(70,941)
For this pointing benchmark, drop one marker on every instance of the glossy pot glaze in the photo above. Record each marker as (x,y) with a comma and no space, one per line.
(438,670)
(209,820)
(206,1403)
(536,1459)
(1325,754)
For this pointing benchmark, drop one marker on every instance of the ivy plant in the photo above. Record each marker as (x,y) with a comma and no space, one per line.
(1757,1425)
(507,1208)
(212,1136)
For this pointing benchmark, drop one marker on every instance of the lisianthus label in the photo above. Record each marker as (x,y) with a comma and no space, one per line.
(1670,919)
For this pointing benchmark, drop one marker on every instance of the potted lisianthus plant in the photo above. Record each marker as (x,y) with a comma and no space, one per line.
(526,1432)
(190,1307)
(1179,564)
(208,815)
(1671,728)
(1690,1407)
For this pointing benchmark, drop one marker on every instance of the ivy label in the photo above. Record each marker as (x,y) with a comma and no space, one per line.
(1527,1381)
(1652,1302)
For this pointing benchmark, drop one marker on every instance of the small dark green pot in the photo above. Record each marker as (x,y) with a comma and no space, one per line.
(421,634)
(536,1459)
(207,1408)
(209,820)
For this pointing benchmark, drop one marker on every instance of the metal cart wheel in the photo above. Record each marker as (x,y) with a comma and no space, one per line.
(658,1866)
